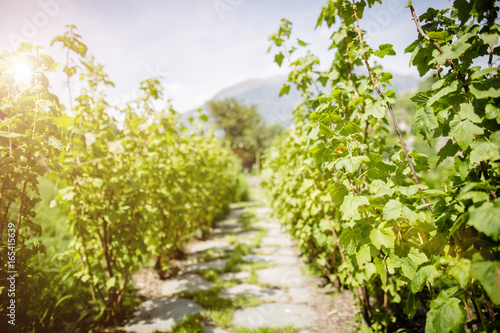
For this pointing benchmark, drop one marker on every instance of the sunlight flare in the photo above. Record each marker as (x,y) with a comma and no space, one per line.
(22,73)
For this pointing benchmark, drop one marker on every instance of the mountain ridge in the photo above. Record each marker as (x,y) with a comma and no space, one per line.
(264,94)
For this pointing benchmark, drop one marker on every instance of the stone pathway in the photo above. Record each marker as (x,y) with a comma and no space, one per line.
(246,277)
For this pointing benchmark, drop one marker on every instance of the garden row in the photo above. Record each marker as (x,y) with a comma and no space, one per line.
(355,196)
(133,189)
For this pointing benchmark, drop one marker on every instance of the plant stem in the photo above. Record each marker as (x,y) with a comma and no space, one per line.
(4,182)
(389,106)
(21,206)
(436,44)
(478,308)
(491,313)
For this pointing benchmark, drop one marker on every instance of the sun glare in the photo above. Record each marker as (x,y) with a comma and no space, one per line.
(22,74)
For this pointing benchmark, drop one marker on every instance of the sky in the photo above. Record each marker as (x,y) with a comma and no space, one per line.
(199,46)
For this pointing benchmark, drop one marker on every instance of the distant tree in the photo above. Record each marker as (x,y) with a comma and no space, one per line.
(244,128)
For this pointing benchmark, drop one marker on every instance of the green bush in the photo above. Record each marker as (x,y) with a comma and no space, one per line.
(242,192)
(409,235)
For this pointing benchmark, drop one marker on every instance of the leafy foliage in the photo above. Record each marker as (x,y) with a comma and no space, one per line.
(354,201)
(243,128)
(132,190)
(30,141)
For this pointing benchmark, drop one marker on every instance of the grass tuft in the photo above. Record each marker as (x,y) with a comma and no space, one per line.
(285,329)
(189,324)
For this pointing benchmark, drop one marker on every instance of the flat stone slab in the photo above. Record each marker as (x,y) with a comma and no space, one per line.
(275,315)
(300,295)
(276,240)
(263,211)
(161,314)
(262,223)
(276,250)
(207,245)
(215,255)
(218,264)
(249,233)
(276,233)
(279,259)
(216,237)
(227,231)
(211,329)
(186,282)
(228,224)
(234,276)
(266,294)
(246,241)
(281,276)
(269,223)
(235,213)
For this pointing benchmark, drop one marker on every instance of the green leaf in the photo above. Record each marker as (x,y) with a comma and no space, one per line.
(26,47)
(284,90)
(475,196)
(369,270)
(410,215)
(453,52)
(351,164)
(438,36)
(381,270)
(111,282)
(411,306)
(448,316)
(313,134)
(382,237)
(363,255)
(492,112)
(377,110)
(393,209)
(350,128)
(279,58)
(10,135)
(319,151)
(489,88)
(443,92)
(385,49)
(45,103)
(483,72)
(349,207)
(450,149)
(325,130)
(410,262)
(54,142)
(463,132)
(488,274)
(424,122)
(302,43)
(421,97)
(486,219)
(426,274)
(90,138)
(8,121)
(467,112)
(337,191)
(490,39)
(348,240)
(378,168)
(62,299)
(483,150)
(460,272)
